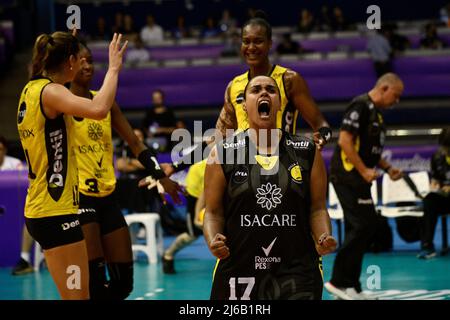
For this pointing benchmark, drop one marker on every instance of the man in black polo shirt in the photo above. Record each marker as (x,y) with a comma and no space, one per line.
(358,152)
(438,200)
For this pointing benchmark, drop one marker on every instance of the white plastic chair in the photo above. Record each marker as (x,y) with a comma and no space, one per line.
(396,192)
(154,238)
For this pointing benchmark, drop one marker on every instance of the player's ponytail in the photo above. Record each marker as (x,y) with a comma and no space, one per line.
(51,51)
(40,54)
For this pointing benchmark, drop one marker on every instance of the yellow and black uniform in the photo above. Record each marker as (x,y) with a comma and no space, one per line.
(436,203)
(194,187)
(266,210)
(94,154)
(52,200)
(365,122)
(94,151)
(287,115)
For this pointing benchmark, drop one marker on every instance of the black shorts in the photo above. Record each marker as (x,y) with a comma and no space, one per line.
(302,285)
(52,232)
(103,210)
(190,217)
(268,287)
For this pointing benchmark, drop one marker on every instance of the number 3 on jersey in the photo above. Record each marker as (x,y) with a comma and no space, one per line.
(249,281)
(92,184)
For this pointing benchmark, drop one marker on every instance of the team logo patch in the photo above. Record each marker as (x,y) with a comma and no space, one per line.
(56,145)
(240,175)
(235,145)
(95,131)
(354,115)
(297,144)
(296,173)
(269,196)
(22,111)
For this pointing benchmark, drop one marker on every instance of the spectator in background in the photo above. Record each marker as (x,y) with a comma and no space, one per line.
(152,32)
(338,22)
(227,23)
(287,46)
(101,33)
(138,54)
(381,52)
(127,163)
(324,20)
(7,162)
(438,200)
(131,197)
(210,29)
(398,42)
(129,31)
(160,121)
(23,266)
(251,13)
(180,31)
(444,14)
(305,22)
(118,26)
(232,47)
(431,39)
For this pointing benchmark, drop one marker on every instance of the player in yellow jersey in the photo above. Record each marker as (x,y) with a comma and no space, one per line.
(46,133)
(295,95)
(195,203)
(104,227)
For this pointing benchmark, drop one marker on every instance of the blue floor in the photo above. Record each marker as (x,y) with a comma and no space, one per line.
(402,276)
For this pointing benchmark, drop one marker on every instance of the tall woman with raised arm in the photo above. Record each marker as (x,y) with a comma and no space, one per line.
(45,110)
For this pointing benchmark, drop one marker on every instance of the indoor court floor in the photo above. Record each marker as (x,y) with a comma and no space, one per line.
(402,276)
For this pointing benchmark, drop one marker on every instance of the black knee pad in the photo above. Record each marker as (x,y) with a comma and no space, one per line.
(98,289)
(120,279)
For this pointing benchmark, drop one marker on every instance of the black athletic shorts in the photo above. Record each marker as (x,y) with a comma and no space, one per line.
(52,232)
(190,217)
(103,210)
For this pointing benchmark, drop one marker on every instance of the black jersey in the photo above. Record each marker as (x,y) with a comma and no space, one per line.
(440,167)
(366,123)
(267,209)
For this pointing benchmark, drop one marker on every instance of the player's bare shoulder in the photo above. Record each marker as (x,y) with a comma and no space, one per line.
(292,79)
(227,117)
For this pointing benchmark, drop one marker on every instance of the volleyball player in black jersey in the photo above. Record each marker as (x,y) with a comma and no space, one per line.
(266,218)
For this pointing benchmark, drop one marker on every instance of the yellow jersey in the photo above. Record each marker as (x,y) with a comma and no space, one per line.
(94,152)
(48,147)
(195,178)
(287,115)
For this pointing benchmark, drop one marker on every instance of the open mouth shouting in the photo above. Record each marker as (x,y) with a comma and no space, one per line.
(264,108)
